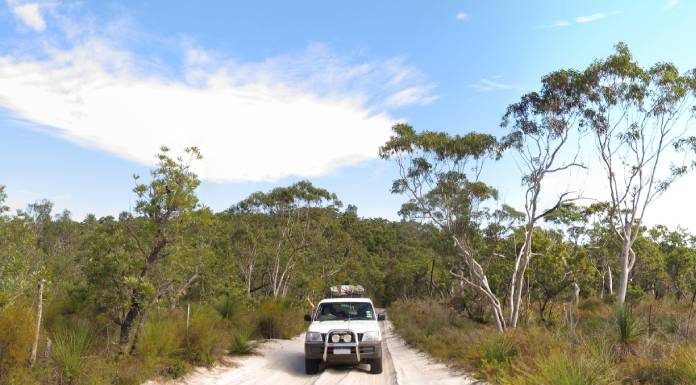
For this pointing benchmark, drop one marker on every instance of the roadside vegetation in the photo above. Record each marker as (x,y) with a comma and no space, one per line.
(171,285)
(559,291)
(650,344)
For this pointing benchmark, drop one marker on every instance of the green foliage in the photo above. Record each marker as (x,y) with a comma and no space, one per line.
(557,368)
(278,319)
(675,368)
(240,343)
(69,353)
(204,340)
(496,350)
(628,329)
(20,258)
(161,339)
(247,271)
(176,369)
(227,307)
(16,336)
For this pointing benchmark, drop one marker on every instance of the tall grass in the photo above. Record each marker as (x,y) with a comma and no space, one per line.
(161,339)
(278,319)
(206,337)
(69,352)
(240,343)
(560,368)
(627,326)
(85,354)
(227,307)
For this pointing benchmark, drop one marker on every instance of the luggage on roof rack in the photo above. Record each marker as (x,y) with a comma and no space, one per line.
(346,291)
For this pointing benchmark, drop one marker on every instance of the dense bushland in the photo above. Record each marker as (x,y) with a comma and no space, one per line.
(171,284)
(650,344)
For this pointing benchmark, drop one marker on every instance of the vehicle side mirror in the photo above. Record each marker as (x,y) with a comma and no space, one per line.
(381,317)
(308,318)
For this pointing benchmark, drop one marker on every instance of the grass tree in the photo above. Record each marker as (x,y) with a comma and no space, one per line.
(440,175)
(636,116)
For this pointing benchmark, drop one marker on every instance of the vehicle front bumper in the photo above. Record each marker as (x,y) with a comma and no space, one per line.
(359,351)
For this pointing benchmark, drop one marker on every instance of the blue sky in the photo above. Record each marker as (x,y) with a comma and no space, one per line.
(276,91)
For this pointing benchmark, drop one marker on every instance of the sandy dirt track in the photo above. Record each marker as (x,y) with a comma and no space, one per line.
(281,362)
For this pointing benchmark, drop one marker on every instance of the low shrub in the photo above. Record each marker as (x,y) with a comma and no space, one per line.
(16,337)
(175,368)
(205,338)
(279,319)
(70,348)
(161,339)
(240,343)
(676,368)
(558,368)
(228,307)
(132,371)
(492,355)
(627,327)
(20,376)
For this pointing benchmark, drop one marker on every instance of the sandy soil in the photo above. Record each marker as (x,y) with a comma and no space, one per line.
(281,362)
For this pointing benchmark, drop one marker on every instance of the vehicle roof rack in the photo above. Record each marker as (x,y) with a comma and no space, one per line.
(346,291)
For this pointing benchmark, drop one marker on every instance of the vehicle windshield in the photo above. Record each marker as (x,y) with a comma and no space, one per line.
(339,311)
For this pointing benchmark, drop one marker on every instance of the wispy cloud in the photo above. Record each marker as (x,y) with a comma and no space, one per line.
(301,114)
(411,96)
(590,18)
(672,3)
(494,83)
(561,23)
(578,20)
(29,14)
(463,16)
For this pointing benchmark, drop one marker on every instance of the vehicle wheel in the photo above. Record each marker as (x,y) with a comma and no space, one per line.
(376,366)
(311,366)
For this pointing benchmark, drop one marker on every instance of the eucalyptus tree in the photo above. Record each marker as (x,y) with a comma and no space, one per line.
(636,116)
(542,123)
(294,210)
(439,174)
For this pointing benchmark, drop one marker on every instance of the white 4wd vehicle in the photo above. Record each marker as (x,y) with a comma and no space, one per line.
(344,331)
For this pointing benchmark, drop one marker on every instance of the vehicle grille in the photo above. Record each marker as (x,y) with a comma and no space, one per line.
(323,336)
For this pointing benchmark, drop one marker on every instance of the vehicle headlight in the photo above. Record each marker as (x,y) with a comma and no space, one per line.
(335,338)
(313,337)
(371,336)
(347,337)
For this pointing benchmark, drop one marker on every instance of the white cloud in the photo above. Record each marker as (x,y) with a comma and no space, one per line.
(672,3)
(561,23)
(462,16)
(494,84)
(296,115)
(579,20)
(590,18)
(410,96)
(29,14)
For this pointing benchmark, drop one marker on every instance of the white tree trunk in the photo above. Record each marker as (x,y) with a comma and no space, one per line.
(576,293)
(478,280)
(37,332)
(517,280)
(625,271)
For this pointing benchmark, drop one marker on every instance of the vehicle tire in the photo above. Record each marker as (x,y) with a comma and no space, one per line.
(376,366)
(311,366)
